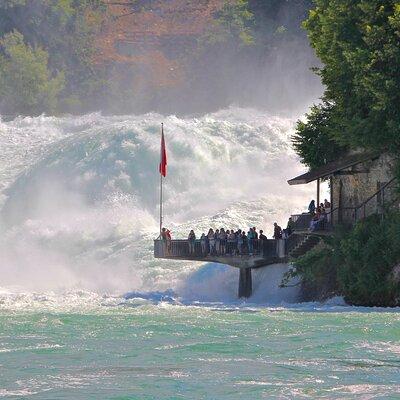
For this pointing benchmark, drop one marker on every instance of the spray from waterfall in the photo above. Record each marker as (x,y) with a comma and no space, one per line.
(79,198)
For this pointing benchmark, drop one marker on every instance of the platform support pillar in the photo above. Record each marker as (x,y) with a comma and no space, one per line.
(245,283)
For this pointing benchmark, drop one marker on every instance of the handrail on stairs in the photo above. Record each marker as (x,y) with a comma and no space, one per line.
(364,204)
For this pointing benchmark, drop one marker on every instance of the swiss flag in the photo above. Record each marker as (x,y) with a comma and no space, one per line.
(163,159)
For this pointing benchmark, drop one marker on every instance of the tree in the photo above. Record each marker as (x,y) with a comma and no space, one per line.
(231,24)
(313,139)
(66,30)
(359,45)
(27,86)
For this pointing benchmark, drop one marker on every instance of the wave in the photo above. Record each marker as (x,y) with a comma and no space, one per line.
(79,199)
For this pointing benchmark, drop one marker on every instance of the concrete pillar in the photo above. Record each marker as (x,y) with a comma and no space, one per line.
(245,283)
(280,248)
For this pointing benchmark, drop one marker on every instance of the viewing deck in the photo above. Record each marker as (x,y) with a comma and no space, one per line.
(266,252)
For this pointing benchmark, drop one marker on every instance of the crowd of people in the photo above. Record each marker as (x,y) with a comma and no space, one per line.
(235,242)
(228,242)
(320,215)
(238,242)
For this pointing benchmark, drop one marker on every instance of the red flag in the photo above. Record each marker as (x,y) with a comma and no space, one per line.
(163,159)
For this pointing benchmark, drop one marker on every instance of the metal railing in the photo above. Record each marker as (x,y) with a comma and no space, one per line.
(375,204)
(292,241)
(301,222)
(198,250)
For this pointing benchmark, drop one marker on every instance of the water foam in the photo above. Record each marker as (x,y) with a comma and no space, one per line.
(80,198)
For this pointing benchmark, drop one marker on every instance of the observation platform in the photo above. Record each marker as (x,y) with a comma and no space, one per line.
(266,252)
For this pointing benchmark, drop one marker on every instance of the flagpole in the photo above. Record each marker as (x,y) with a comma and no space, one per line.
(161,187)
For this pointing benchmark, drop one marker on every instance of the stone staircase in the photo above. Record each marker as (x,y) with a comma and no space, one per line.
(305,245)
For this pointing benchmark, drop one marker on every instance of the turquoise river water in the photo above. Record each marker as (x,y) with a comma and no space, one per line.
(166,351)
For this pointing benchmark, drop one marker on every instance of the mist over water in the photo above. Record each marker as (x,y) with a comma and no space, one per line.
(80,199)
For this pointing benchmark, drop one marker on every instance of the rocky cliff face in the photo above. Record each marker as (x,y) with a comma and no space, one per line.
(152,38)
(182,56)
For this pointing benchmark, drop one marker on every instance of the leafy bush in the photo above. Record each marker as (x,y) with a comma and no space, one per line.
(57,36)
(370,252)
(317,271)
(26,82)
(313,139)
(356,264)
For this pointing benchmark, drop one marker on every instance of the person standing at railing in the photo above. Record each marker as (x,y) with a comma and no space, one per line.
(255,243)
(327,206)
(244,241)
(239,242)
(203,244)
(217,242)
(191,241)
(232,243)
(277,231)
(222,241)
(319,220)
(311,207)
(211,242)
(251,238)
(168,240)
(290,227)
(262,241)
(227,250)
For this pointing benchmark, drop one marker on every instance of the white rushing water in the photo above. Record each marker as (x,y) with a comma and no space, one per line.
(79,200)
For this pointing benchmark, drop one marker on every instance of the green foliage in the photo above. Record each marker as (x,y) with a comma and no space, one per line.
(26,82)
(65,31)
(312,266)
(370,252)
(232,22)
(359,45)
(274,21)
(313,139)
(357,264)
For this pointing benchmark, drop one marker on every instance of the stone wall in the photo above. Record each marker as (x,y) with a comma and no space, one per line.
(355,185)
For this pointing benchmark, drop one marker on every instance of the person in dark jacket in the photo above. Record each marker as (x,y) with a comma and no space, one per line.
(262,237)
(311,207)
(290,226)
(277,231)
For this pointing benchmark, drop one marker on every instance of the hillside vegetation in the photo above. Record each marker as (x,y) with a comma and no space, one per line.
(139,55)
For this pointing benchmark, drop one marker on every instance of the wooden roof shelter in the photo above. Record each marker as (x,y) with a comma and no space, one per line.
(333,167)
